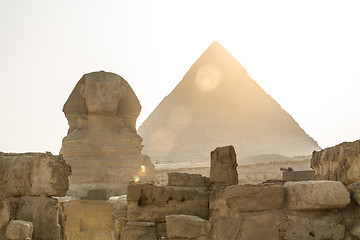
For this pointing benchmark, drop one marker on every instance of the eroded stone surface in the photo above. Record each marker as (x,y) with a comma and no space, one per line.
(354,190)
(84,217)
(149,202)
(263,226)
(139,231)
(44,213)
(300,228)
(188,180)
(223,166)
(185,226)
(247,198)
(226,228)
(4,214)
(33,174)
(18,229)
(338,163)
(102,112)
(310,195)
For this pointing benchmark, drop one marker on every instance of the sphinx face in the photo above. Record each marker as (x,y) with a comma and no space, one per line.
(102,96)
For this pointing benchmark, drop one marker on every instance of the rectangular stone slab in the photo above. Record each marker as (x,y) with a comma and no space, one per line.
(33,174)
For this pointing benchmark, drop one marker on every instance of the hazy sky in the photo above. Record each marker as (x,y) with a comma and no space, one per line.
(305,54)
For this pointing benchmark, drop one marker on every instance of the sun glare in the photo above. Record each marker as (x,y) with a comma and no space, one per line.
(208,78)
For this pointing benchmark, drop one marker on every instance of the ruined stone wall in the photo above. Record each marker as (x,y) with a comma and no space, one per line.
(338,163)
(279,211)
(28,183)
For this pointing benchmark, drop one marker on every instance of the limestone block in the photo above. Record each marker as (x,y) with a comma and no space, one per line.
(149,202)
(188,180)
(88,216)
(217,203)
(299,228)
(310,195)
(261,227)
(223,166)
(90,235)
(139,231)
(185,226)
(248,198)
(119,206)
(43,212)
(354,190)
(338,163)
(161,230)
(19,230)
(226,228)
(4,214)
(33,174)
(355,229)
(119,226)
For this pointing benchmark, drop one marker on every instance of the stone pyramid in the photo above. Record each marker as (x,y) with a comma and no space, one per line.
(218,104)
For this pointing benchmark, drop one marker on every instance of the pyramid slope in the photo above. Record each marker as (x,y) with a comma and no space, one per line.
(216,104)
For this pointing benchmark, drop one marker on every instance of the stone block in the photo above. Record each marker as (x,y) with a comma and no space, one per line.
(43,212)
(226,228)
(161,230)
(223,166)
(355,228)
(261,227)
(18,229)
(217,203)
(311,195)
(33,174)
(298,175)
(249,198)
(88,216)
(188,180)
(149,202)
(338,163)
(299,228)
(354,190)
(119,206)
(185,226)
(139,231)
(4,214)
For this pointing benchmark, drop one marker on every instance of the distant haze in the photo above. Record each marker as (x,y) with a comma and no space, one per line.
(304,54)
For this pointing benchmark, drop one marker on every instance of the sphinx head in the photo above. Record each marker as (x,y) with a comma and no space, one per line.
(103,93)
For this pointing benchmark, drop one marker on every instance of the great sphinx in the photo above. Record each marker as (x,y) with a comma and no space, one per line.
(102,145)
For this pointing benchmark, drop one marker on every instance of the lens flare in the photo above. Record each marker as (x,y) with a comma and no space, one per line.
(143,168)
(208,77)
(137,179)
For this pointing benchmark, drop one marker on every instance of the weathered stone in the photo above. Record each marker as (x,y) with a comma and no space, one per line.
(4,214)
(33,174)
(310,195)
(19,230)
(188,180)
(88,216)
(161,231)
(355,229)
(261,227)
(149,202)
(217,203)
(119,225)
(297,175)
(338,163)
(223,166)
(139,231)
(185,226)
(43,212)
(300,228)
(226,228)
(119,206)
(248,198)
(354,190)
(102,145)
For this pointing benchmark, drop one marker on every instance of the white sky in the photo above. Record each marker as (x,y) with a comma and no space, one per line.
(305,54)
